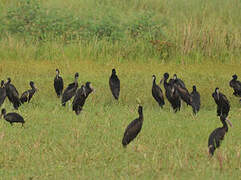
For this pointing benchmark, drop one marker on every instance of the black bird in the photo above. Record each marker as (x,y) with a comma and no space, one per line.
(114,83)
(157,92)
(215,138)
(183,93)
(222,102)
(2,93)
(58,84)
(12,117)
(70,91)
(133,129)
(236,85)
(196,103)
(80,97)
(12,94)
(27,95)
(171,93)
(178,81)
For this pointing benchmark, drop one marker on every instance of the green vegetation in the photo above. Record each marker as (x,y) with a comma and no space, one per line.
(163,30)
(199,40)
(57,144)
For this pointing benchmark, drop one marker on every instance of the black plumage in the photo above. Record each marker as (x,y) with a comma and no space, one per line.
(133,129)
(183,93)
(12,117)
(70,91)
(81,96)
(27,95)
(171,93)
(236,85)
(196,102)
(179,82)
(12,94)
(215,138)
(157,92)
(222,102)
(114,83)
(3,93)
(58,84)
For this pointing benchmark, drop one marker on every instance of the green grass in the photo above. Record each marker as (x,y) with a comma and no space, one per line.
(57,144)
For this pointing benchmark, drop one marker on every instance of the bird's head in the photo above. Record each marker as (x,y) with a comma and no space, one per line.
(174,76)
(57,72)
(76,75)
(8,80)
(32,85)
(140,109)
(235,77)
(113,71)
(89,86)
(166,76)
(153,77)
(194,88)
(2,83)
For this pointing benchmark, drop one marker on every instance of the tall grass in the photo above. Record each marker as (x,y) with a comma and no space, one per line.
(178,30)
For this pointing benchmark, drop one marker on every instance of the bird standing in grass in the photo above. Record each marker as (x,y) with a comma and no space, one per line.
(133,129)
(196,103)
(12,94)
(217,135)
(222,102)
(114,83)
(27,95)
(2,93)
(236,85)
(70,91)
(157,92)
(58,83)
(171,93)
(12,117)
(80,97)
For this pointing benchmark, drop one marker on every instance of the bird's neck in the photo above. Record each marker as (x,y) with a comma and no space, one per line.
(225,126)
(154,81)
(141,116)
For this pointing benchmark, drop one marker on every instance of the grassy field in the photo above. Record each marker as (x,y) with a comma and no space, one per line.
(199,40)
(57,144)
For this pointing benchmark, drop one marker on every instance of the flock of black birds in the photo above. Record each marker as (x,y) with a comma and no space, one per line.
(175,91)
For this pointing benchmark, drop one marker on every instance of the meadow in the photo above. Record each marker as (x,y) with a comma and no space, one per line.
(56,143)
(198,40)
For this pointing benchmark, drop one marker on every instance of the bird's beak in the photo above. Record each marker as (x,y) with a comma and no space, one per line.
(229,122)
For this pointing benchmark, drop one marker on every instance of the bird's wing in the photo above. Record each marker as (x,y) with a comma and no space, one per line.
(181,83)
(159,92)
(133,127)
